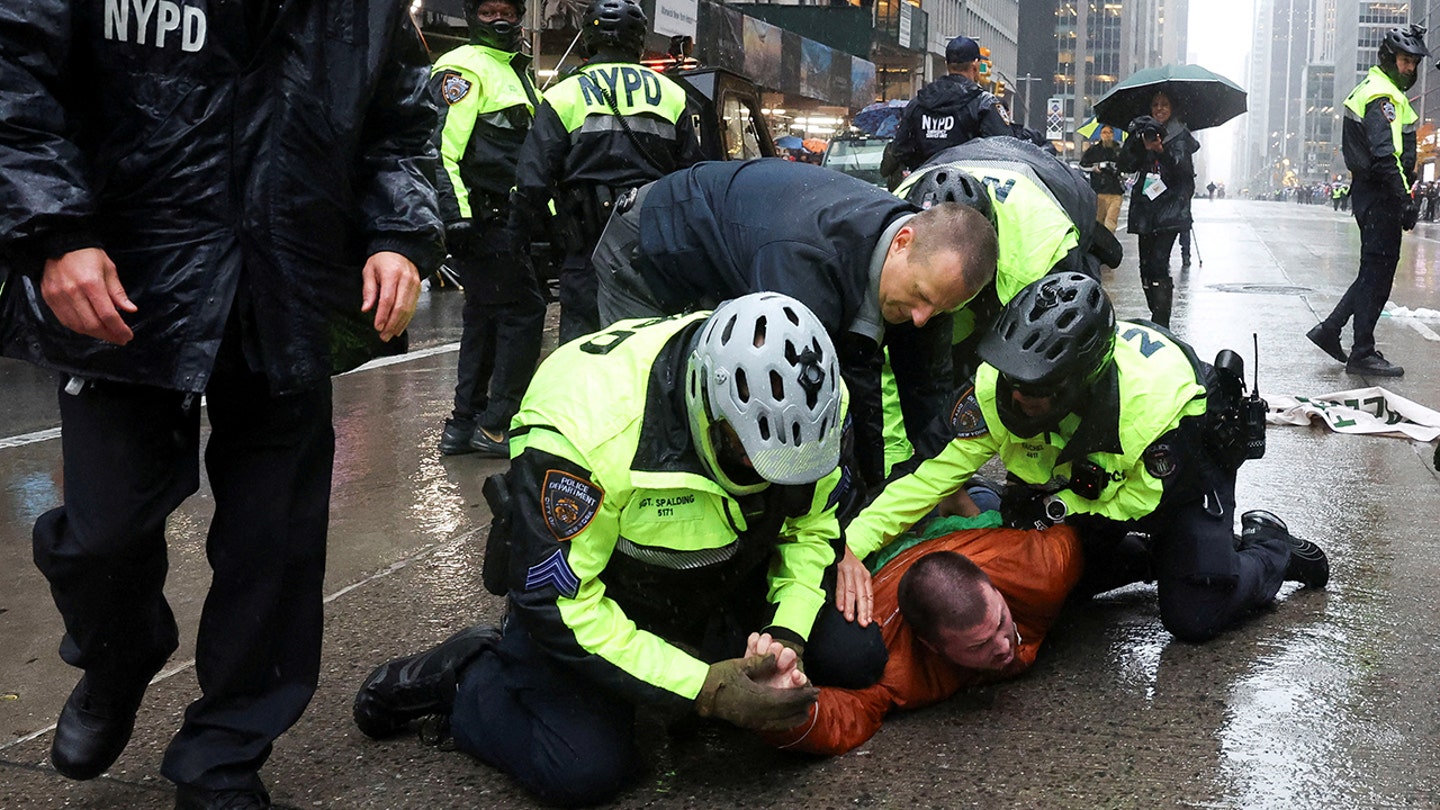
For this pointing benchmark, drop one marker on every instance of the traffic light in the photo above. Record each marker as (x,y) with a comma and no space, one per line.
(999,89)
(984,61)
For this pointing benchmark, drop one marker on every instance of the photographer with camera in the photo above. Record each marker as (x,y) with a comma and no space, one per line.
(1101,161)
(1159,151)
(1139,440)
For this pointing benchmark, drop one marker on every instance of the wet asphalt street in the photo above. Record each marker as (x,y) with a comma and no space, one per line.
(1327,700)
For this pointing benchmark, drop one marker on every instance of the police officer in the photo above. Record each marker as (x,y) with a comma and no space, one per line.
(950,110)
(610,126)
(486,104)
(1043,212)
(646,540)
(872,267)
(1379,145)
(1131,434)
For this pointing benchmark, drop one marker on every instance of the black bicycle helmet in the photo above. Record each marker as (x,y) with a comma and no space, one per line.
(1056,337)
(618,25)
(501,35)
(948,183)
(1411,40)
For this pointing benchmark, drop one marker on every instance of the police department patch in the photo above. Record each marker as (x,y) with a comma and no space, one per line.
(966,420)
(1160,460)
(1004,113)
(1388,108)
(570,503)
(454,87)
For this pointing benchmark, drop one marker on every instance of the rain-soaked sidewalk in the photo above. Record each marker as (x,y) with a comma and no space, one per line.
(1326,700)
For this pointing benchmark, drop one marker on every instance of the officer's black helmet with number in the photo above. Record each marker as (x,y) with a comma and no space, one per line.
(947,183)
(1055,338)
(615,25)
(1411,40)
(764,373)
(501,35)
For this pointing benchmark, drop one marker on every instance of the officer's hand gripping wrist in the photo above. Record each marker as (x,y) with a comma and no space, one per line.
(732,694)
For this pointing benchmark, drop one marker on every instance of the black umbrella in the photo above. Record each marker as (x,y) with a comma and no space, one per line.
(1201,98)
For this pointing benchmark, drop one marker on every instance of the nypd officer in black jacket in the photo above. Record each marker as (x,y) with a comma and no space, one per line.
(873,267)
(949,111)
(612,125)
(193,204)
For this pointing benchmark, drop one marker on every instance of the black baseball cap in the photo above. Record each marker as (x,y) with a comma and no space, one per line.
(961,49)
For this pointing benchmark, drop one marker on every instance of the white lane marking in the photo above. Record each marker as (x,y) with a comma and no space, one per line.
(7,442)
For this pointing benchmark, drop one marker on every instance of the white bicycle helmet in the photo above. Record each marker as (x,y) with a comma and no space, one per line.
(764,365)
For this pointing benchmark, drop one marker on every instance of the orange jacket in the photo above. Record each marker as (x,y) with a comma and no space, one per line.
(1033,570)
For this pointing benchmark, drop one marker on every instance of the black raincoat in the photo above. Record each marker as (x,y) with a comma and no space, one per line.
(1170,210)
(211,166)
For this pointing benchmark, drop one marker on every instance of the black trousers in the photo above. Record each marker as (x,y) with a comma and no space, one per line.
(1379,222)
(579,294)
(1205,583)
(571,742)
(130,458)
(1155,251)
(503,323)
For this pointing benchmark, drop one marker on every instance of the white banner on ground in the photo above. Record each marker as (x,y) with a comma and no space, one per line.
(1374,410)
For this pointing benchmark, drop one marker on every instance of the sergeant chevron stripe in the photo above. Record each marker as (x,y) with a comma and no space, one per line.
(555,572)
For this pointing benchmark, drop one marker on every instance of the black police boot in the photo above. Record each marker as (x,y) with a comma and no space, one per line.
(188,797)
(1308,564)
(1328,340)
(1374,364)
(95,726)
(491,444)
(407,689)
(455,438)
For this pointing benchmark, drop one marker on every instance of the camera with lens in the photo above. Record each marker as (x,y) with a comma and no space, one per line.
(1236,419)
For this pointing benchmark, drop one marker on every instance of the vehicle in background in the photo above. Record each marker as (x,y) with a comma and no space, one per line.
(857,155)
(725,108)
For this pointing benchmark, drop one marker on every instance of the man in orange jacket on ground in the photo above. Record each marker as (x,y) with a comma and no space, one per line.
(959,610)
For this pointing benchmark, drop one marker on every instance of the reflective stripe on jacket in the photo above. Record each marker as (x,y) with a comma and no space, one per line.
(1368,154)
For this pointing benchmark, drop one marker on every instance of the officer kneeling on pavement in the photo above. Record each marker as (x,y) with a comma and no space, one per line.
(643,543)
(1135,437)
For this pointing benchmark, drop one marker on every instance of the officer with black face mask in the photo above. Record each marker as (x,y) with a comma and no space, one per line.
(1121,424)
(1379,145)
(487,103)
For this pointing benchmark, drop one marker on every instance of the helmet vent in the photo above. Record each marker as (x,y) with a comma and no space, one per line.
(777,385)
(1066,318)
(795,433)
(764,428)
(728,330)
(792,316)
(742,385)
(759,332)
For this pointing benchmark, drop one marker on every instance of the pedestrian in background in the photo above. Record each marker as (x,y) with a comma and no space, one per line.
(1159,150)
(1102,162)
(948,111)
(213,213)
(610,126)
(1378,141)
(486,105)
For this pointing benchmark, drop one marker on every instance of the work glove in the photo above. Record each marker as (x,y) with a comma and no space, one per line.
(459,237)
(731,693)
(1410,214)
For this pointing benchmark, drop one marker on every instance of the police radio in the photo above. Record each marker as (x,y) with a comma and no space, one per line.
(1255,409)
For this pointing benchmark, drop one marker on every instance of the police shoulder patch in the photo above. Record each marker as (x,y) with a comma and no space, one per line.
(966,420)
(1388,108)
(1160,460)
(454,87)
(1004,113)
(570,503)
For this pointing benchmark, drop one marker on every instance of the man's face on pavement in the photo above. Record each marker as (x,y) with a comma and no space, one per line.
(990,645)
(915,288)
